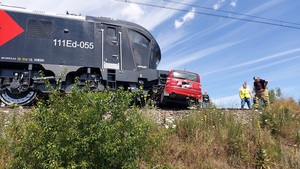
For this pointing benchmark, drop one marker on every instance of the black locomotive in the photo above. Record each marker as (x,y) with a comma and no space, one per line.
(104,52)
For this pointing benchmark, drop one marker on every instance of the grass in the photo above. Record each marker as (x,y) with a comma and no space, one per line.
(205,138)
(216,139)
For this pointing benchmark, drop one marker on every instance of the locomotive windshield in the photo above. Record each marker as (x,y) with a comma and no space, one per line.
(141,48)
(138,38)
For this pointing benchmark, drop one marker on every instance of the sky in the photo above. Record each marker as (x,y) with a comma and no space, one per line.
(226,42)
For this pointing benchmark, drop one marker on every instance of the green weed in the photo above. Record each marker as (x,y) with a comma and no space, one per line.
(82,129)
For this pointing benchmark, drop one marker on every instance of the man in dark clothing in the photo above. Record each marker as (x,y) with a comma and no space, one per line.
(206,100)
(261,91)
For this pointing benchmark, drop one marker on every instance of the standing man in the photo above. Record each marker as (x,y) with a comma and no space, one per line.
(261,91)
(205,99)
(245,95)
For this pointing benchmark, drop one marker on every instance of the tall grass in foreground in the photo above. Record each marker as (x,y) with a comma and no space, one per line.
(84,129)
(219,139)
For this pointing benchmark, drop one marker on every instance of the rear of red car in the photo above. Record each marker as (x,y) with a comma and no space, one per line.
(182,87)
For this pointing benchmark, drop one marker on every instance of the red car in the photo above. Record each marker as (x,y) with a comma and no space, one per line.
(182,87)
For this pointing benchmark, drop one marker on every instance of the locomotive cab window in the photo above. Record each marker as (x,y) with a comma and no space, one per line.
(136,37)
(111,32)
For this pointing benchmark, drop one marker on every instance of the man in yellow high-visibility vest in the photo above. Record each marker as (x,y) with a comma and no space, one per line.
(245,95)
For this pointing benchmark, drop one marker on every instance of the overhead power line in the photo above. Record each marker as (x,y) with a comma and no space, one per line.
(229,12)
(266,21)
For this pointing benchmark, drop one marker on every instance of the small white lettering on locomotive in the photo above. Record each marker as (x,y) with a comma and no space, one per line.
(73,44)
(8,58)
(38,60)
(22,59)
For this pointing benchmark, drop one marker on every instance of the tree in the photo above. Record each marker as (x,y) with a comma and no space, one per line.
(275,94)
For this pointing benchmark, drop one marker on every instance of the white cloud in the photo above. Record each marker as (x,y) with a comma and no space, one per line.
(217,5)
(146,16)
(133,12)
(169,39)
(187,17)
(256,61)
(233,3)
(227,102)
(194,56)
(284,73)
(280,74)
(178,24)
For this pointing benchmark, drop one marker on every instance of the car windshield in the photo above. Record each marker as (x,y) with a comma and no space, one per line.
(185,75)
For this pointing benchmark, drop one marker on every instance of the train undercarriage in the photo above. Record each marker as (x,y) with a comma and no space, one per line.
(22,85)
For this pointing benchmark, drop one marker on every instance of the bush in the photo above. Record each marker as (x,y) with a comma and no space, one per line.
(82,129)
(282,119)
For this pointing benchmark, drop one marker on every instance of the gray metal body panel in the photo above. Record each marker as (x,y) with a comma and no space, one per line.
(109,52)
(53,40)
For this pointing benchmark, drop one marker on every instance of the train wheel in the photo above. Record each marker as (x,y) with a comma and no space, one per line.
(24,98)
(152,99)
